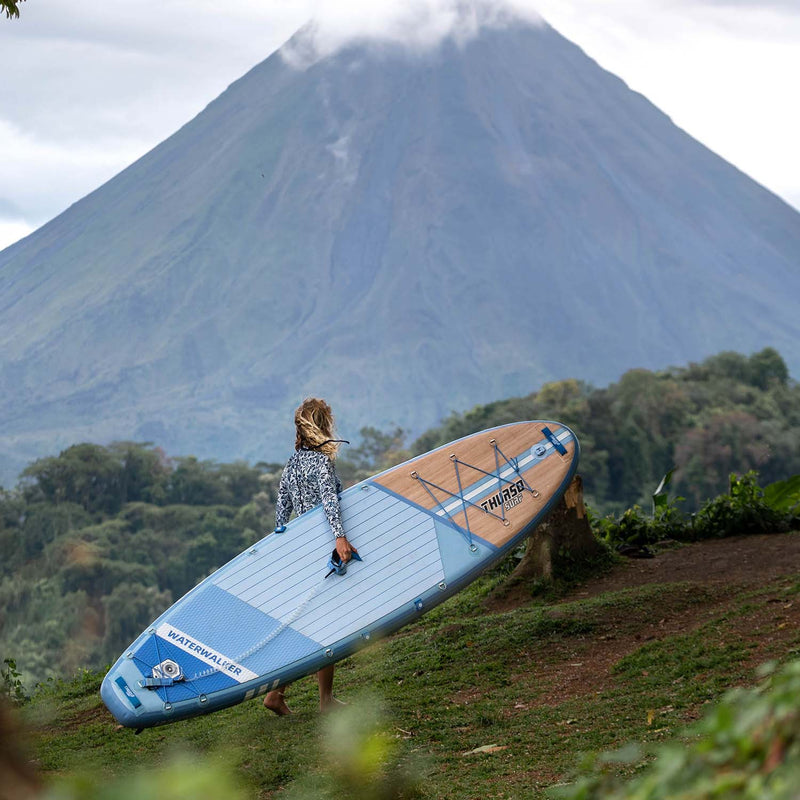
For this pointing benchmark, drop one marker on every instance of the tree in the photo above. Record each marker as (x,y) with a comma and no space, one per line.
(706,455)
(128,609)
(11,7)
(196,483)
(86,474)
(145,471)
(767,367)
(378,449)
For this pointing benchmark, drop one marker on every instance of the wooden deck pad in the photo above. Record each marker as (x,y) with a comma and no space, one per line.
(518,507)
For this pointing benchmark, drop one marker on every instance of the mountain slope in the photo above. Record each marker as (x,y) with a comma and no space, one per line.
(403,233)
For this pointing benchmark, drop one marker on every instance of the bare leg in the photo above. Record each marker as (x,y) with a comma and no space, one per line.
(275,702)
(325,680)
(327,701)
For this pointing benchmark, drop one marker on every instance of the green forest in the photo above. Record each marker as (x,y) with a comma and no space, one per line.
(99,540)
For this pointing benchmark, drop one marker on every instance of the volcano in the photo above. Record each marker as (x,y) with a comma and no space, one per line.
(404,232)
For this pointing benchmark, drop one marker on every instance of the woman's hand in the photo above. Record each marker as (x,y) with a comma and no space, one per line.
(344,549)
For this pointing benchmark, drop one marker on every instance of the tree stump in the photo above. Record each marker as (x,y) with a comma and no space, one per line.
(564,538)
(561,543)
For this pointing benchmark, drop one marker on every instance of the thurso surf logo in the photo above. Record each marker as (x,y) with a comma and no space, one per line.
(510,496)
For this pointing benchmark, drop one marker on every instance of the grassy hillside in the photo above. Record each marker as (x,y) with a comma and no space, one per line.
(475,700)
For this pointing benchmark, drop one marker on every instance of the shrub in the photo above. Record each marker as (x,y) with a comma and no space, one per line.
(745,509)
(11,683)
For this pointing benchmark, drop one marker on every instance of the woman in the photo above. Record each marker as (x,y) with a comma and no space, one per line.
(308,480)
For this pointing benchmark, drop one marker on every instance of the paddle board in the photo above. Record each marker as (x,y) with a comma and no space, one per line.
(424,530)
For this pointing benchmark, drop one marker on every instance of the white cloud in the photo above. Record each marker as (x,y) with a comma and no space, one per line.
(87,89)
(413,23)
(41,173)
(11,232)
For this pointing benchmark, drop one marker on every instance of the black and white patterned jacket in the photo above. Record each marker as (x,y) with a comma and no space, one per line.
(309,479)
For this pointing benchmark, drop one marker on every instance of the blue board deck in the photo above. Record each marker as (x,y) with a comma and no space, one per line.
(424,529)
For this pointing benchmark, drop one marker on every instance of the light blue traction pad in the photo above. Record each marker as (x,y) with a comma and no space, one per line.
(221,622)
(457,558)
(285,572)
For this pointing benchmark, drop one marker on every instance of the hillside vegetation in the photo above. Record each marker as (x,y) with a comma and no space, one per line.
(730,413)
(97,541)
(476,701)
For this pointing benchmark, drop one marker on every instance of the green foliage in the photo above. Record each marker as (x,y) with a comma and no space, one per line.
(102,480)
(661,494)
(376,452)
(359,760)
(747,747)
(11,686)
(784,495)
(95,545)
(85,474)
(129,608)
(36,526)
(635,529)
(745,509)
(10,7)
(195,483)
(742,510)
(182,777)
(762,370)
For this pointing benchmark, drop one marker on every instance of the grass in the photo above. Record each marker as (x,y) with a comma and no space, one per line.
(541,683)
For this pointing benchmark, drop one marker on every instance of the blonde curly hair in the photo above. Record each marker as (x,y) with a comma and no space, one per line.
(314,424)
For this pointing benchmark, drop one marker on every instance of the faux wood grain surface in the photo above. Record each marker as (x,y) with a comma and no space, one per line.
(514,440)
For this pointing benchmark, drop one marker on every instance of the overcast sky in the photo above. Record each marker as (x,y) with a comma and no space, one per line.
(87,88)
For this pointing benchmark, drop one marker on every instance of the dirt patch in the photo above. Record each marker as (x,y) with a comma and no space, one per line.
(740,560)
(722,567)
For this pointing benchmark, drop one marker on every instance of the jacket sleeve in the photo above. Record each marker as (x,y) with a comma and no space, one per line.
(283,507)
(329,488)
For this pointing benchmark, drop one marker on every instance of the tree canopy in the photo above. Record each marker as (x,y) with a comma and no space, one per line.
(729,413)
